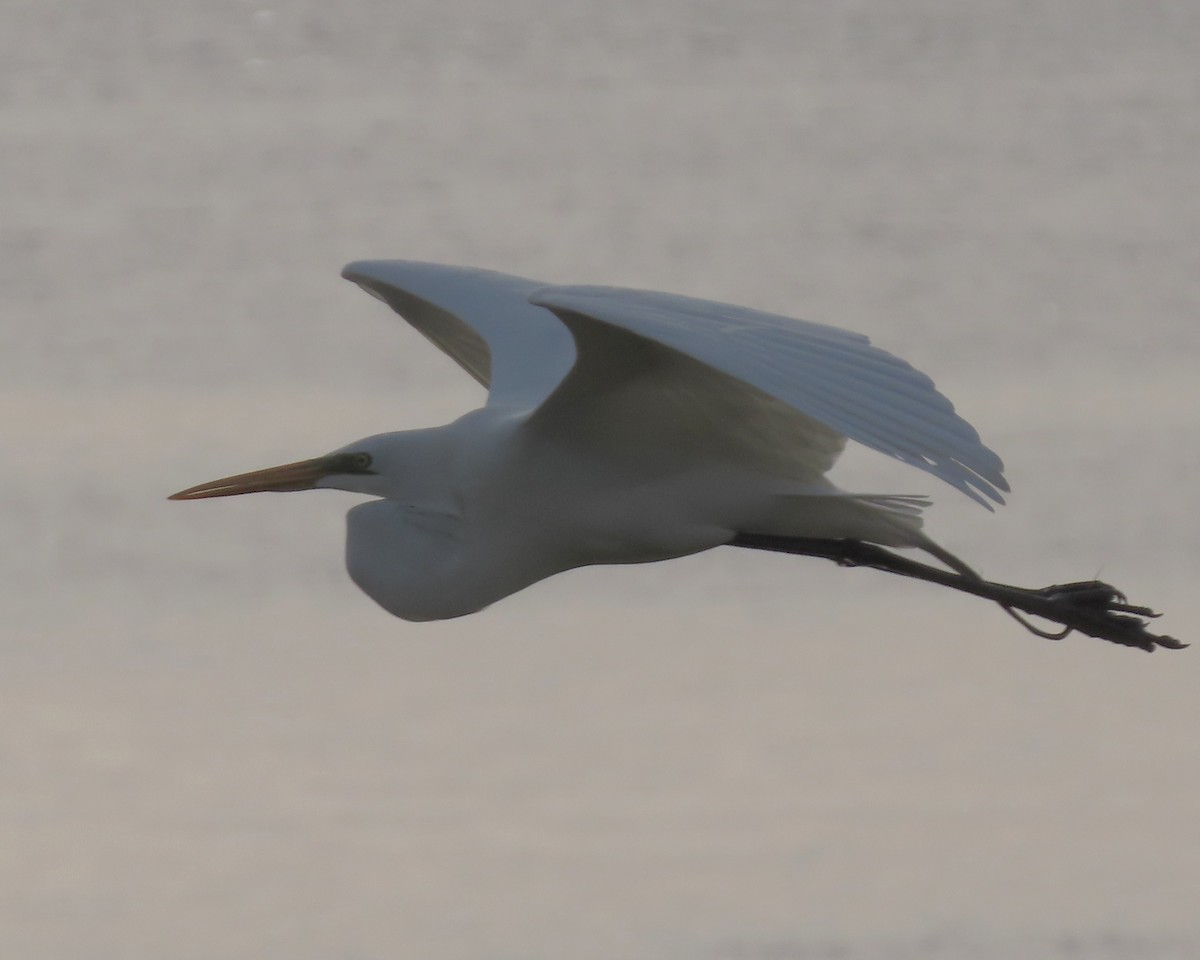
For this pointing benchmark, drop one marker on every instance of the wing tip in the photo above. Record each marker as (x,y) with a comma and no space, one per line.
(981,489)
(982,482)
(369,276)
(363,272)
(358,268)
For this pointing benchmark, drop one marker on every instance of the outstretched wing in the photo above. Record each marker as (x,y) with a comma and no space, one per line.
(482,319)
(830,376)
(780,390)
(522,353)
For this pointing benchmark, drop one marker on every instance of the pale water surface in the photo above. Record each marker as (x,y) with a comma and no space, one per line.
(212,746)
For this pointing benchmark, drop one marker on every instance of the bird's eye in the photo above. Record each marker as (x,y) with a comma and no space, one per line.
(357,463)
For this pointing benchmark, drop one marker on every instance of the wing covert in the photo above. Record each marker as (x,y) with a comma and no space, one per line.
(482,319)
(833,376)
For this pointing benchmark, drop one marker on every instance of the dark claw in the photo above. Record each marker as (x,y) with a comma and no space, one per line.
(1136,611)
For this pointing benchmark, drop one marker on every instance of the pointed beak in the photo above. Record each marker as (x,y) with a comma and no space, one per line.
(291,476)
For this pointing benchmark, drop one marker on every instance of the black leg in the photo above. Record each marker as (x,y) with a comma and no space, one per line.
(1090,606)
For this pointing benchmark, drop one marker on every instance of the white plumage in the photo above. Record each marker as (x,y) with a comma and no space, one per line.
(621,426)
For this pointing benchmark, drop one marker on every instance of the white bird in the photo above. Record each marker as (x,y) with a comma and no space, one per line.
(625,426)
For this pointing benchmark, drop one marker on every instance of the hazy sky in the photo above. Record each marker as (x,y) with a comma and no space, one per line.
(213,745)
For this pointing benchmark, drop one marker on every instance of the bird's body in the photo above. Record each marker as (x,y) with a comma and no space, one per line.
(491,524)
(494,525)
(624,426)
(621,427)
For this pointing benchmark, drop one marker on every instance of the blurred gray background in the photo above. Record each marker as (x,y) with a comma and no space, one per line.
(211,745)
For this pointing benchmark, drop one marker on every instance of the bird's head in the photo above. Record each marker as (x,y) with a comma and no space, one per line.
(362,467)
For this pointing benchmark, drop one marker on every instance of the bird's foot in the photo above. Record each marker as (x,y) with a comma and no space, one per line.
(1099,610)
(1098,594)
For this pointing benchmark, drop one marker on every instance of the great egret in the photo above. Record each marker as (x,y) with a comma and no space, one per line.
(624,426)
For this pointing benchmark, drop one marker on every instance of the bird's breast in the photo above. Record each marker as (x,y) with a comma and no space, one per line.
(421,565)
